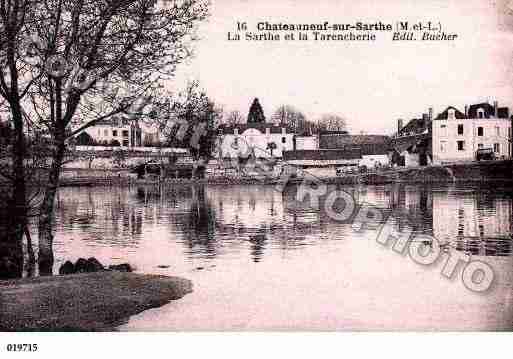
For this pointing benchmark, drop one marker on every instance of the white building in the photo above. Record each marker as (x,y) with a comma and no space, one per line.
(118,131)
(457,136)
(261,140)
(321,163)
(307,143)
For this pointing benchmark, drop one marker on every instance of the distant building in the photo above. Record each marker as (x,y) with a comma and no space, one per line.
(321,163)
(117,131)
(457,136)
(374,149)
(258,140)
(411,146)
(306,142)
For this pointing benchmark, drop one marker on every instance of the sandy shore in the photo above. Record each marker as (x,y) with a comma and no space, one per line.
(83,302)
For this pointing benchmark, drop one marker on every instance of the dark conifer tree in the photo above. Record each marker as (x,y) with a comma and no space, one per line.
(256,114)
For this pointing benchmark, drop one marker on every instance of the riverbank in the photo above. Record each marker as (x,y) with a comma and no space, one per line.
(486,171)
(98,301)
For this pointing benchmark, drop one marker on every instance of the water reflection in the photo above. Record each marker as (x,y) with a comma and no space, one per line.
(210,221)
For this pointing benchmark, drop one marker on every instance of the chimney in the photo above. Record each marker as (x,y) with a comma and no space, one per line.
(466,110)
(399,124)
(425,118)
(496,109)
(430,112)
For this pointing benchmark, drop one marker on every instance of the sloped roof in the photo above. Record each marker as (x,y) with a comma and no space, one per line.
(445,114)
(489,110)
(322,155)
(117,121)
(416,125)
(401,144)
(358,139)
(368,144)
(328,132)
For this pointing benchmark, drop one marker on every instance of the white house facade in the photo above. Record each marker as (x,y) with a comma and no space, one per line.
(261,140)
(126,133)
(457,136)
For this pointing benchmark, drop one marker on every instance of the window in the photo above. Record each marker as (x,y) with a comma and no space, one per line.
(450,114)
(283,140)
(480,145)
(509,132)
(105,133)
(497,130)
(125,143)
(443,146)
(460,129)
(480,113)
(125,133)
(496,148)
(461,145)
(480,131)
(114,133)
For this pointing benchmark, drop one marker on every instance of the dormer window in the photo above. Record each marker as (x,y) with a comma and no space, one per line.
(236,131)
(480,113)
(451,114)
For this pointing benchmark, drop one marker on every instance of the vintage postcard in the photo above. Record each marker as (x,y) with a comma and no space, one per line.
(237,165)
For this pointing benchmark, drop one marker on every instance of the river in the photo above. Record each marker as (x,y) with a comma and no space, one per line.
(260,260)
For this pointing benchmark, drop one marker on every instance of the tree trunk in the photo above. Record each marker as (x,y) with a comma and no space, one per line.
(11,246)
(31,265)
(46,214)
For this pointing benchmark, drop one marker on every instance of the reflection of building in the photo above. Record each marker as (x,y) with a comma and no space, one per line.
(476,215)
(458,135)
(248,207)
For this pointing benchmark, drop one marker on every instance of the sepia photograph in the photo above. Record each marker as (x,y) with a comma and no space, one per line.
(238,166)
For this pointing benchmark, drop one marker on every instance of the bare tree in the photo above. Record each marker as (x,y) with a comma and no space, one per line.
(234,118)
(287,115)
(66,65)
(192,124)
(331,122)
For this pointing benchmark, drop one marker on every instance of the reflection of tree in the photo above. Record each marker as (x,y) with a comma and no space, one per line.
(201,223)
(258,242)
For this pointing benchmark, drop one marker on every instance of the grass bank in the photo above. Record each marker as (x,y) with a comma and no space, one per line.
(97,301)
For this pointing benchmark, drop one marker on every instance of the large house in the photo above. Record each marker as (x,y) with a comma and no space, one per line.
(119,131)
(457,136)
(116,131)
(257,140)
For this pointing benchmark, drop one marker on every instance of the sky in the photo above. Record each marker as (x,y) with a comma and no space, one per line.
(371,84)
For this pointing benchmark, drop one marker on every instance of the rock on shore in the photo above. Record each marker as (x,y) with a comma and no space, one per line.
(97,301)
